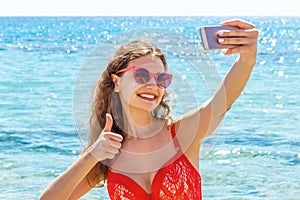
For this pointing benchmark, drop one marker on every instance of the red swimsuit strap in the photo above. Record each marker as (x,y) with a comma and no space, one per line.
(176,143)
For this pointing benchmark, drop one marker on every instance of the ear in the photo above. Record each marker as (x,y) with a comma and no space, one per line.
(116,80)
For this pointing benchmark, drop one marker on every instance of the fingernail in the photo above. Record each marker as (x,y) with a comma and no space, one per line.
(221,32)
(221,40)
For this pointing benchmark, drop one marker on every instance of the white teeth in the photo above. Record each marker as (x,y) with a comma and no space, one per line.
(149,96)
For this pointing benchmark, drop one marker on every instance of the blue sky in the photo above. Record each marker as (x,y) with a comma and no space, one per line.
(149,7)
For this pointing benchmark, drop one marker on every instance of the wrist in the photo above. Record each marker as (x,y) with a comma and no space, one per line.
(247,59)
(89,157)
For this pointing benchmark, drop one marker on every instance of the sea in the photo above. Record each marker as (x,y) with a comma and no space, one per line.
(254,153)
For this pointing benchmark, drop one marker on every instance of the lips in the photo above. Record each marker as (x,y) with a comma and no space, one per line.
(147,96)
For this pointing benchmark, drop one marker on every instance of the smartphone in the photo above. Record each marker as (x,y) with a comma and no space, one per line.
(210,39)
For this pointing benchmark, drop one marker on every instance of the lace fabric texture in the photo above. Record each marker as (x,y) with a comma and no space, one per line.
(177,181)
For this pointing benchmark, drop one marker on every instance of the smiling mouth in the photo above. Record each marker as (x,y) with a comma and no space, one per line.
(148,97)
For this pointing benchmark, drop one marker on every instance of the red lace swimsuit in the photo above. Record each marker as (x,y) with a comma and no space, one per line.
(177,179)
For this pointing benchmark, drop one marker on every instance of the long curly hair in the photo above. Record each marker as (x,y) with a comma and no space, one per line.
(105,99)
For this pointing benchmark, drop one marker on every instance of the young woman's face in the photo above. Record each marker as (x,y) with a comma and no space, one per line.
(141,96)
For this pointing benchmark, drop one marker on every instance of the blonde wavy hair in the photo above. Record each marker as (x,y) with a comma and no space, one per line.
(105,99)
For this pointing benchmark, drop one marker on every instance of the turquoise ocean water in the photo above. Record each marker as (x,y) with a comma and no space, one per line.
(256,155)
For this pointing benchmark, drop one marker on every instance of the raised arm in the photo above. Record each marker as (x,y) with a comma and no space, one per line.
(238,75)
(202,121)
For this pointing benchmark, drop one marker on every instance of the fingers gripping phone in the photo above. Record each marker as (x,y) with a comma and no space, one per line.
(210,39)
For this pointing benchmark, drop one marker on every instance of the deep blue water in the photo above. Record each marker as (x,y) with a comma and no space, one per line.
(255,154)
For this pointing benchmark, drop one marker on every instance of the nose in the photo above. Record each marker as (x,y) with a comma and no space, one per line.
(152,82)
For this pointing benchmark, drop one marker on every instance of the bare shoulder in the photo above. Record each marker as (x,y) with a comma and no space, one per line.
(192,127)
(194,124)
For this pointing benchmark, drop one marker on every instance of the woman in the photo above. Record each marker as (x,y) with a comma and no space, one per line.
(133,143)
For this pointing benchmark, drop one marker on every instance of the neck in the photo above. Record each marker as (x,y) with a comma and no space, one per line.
(140,124)
(140,117)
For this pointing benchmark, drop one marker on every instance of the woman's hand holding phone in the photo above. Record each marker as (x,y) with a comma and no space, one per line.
(235,36)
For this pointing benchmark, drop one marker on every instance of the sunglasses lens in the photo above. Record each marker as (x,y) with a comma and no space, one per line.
(142,76)
(163,80)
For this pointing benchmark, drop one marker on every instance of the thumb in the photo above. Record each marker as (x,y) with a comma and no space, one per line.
(108,123)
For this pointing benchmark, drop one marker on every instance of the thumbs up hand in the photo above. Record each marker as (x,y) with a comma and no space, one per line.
(108,143)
